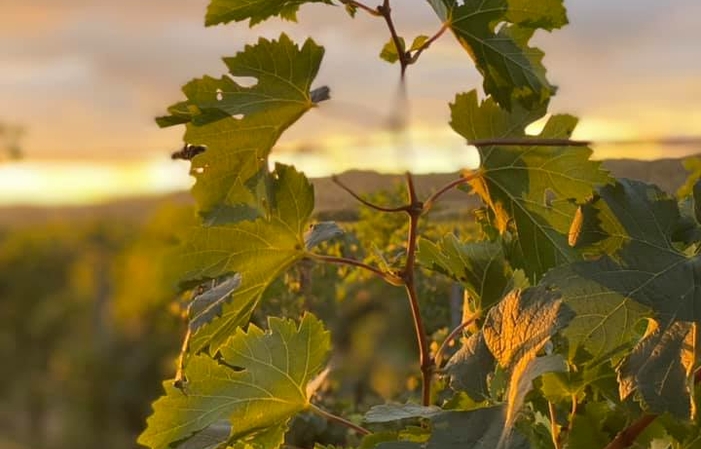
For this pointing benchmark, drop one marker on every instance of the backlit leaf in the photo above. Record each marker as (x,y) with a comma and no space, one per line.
(257,251)
(470,367)
(532,190)
(239,125)
(658,369)
(264,390)
(481,267)
(647,276)
(255,11)
(520,325)
(496,34)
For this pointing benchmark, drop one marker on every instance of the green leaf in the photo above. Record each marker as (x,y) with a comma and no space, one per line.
(418,42)
(605,322)
(389,50)
(255,11)
(647,273)
(395,412)
(522,323)
(496,34)
(239,125)
(693,166)
(647,276)
(586,429)
(481,267)
(658,370)
(470,368)
(258,251)
(267,387)
(532,190)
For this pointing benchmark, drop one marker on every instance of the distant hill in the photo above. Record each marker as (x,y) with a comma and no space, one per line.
(668,174)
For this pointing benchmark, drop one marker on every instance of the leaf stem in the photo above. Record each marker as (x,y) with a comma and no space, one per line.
(428,204)
(438,357)
(553,426)
(366,202)
(339,420)
(529,141)
(387,277)
(428,43)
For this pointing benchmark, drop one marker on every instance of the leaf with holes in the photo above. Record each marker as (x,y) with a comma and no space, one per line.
(496,34)
(530,190)
(257,386)
(239,125)
(255,11)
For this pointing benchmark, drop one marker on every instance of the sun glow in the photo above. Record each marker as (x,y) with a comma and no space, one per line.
(53,183)
(418,150)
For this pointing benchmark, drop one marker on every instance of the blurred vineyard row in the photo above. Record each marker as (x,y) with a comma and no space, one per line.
(90,323)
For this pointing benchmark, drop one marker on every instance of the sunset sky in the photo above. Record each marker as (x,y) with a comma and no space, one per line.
(85,78)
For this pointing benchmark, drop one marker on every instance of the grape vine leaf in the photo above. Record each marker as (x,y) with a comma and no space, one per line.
(470,367)
(481,267)
(647,278)
(586,430)
(239,125)
(523,322)
(658,370)
(258,251)
(533,190)
(259,383)
(255,11)
(496,34)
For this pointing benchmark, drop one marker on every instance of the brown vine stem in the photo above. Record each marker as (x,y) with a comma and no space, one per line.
(385,11)
(387,277)
(339,420)
(438,357)
(366,202)
(408,275)
(627,436)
